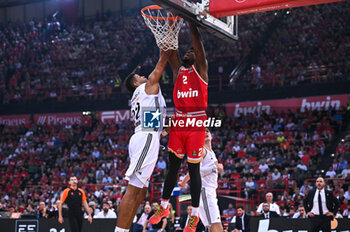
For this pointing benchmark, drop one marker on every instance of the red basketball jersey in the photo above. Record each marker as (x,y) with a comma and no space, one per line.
(190,92)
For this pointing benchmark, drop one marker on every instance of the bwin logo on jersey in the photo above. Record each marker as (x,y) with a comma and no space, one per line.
(152,119)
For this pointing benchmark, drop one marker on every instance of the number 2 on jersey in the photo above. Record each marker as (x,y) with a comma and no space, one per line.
(184,80)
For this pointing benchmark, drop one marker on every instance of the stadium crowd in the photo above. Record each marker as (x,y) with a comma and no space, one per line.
(276,151)
(51,61)
(310,45)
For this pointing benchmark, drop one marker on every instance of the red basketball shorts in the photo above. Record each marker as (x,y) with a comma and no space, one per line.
(189,142)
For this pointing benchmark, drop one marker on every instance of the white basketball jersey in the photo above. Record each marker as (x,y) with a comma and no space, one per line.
(142,101)
(211,180)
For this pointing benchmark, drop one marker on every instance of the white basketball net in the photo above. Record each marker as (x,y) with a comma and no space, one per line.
(164,25)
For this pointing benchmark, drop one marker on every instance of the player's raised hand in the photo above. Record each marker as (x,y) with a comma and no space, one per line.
(60,220)
(166,53)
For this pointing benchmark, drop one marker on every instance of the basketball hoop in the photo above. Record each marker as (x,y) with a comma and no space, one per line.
(164,25)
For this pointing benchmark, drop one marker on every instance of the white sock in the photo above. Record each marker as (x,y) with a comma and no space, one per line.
(164,203)
(118,229)
(195,211)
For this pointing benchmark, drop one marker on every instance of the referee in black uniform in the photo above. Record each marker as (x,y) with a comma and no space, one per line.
(75,199)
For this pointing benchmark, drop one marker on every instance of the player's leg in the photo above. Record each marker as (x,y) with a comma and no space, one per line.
(209,210)
(143,152)
(176,153)
(169,184)
(216,227)
(203,212)
(129,205)
(194,146)
(171,177)
(195,184)
(141,196)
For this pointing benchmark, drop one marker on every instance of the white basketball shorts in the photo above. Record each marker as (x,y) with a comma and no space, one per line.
(209,211)
(143,153)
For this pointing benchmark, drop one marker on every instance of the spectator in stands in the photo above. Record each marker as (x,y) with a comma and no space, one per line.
(347,194)
(302,167)
(301,212)
(240,222)
(331,173)
(276,174)
(263,166)
(30,210)
(346,212)
(99,175)
(346,172)
(339,215)
(106,212)
(266,214)
(111,205)
(342,163)
(250,187)
(43,212)
(53,212)
(107,179)
(229,212)
(93,205)
(141,219)
(304,188)
(272,206)
(161,165)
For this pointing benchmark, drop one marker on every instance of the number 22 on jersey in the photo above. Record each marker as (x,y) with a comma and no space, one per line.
(136,111)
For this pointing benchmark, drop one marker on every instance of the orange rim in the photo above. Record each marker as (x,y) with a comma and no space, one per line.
(156,7)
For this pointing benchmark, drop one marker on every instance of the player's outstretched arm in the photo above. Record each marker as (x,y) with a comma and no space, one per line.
(201,63)
(174,60)
(152,86)
(175,64)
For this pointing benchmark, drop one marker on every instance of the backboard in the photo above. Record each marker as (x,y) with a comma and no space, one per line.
(222,8)
(224,28)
